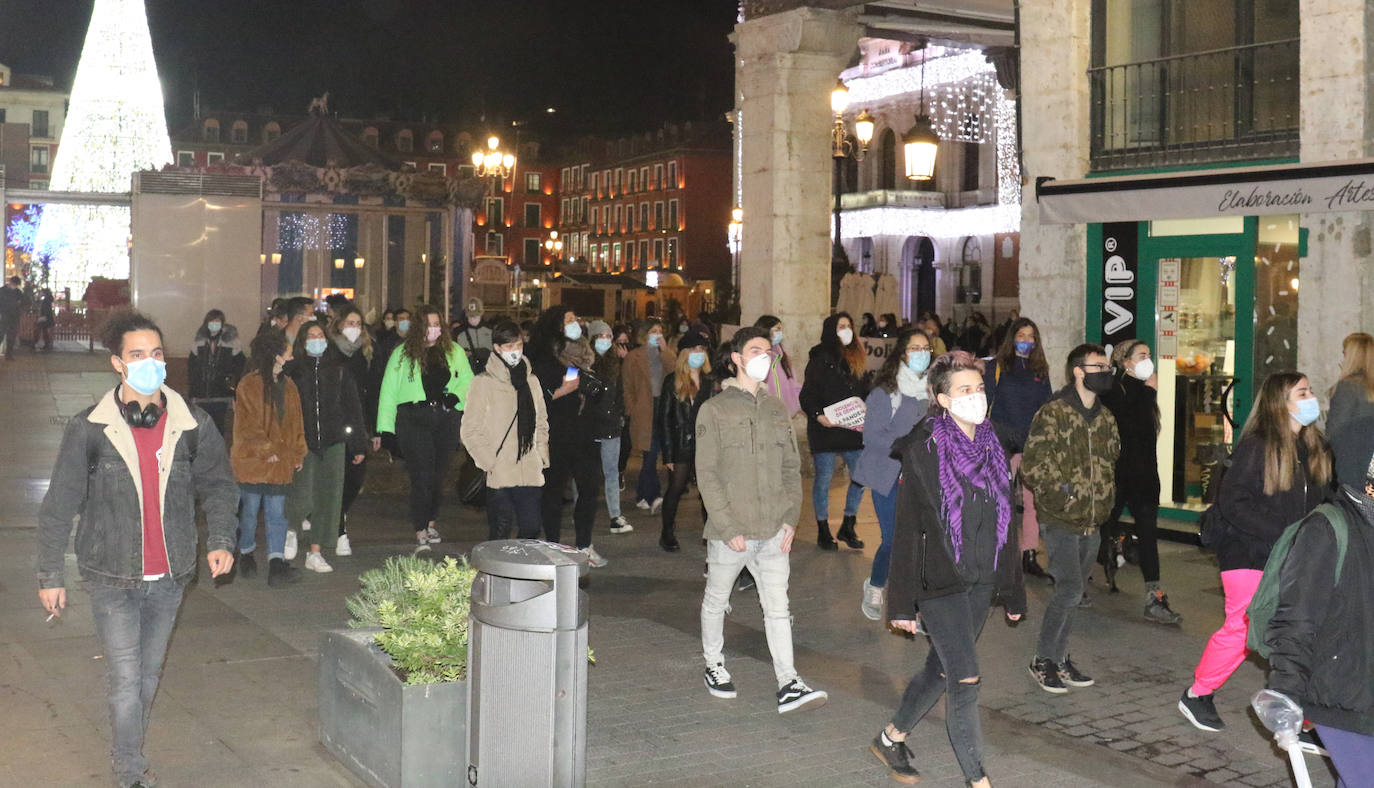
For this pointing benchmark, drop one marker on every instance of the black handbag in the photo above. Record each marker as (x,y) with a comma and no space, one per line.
(472,481)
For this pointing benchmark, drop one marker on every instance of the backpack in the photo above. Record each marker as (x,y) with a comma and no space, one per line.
(1266,599)
(1211,526)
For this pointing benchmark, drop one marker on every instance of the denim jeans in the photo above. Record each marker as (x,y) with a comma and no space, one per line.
(820,486)
(886,508)
(610,467)
(954,623)
(134,625)
(769,565)
(273,513)
(518,506)
(1071,559)
(649,487)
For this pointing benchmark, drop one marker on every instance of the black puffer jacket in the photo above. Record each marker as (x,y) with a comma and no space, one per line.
(607,412)
(1254,521)
(1322,633)
(829,380)
(329,404)
(216,363)
(360,368)
(676,420)
(1137,419)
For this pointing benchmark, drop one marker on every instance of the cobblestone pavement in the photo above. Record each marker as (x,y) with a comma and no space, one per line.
(238,707)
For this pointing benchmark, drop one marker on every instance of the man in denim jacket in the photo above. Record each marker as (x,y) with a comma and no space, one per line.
(132,467)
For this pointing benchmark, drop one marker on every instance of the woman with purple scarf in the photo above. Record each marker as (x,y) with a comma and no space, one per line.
(951,556)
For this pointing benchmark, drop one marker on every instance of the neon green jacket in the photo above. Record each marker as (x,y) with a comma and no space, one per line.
(401,384)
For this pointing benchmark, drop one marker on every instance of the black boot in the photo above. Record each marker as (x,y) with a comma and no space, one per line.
(279,572)
(823,537)
(668,541)
(1031,566)
(248,565)
(846,533)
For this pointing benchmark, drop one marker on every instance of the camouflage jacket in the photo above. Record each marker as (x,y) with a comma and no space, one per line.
(1070,463)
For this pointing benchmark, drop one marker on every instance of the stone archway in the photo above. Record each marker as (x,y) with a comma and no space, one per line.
(918,276)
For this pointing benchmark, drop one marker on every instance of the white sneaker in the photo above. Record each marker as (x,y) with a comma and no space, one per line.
(594,559)
(658,505)
(872,605)
(619,525)
(344,548)
(432,534)
(315,562)
(305,525)
(642,504)
(290,551)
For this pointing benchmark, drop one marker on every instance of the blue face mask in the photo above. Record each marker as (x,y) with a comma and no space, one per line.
(145,375)
(696,359)
(573,331)
(602,345)
(777,338)
(1309,410)
(402,326)
(655,340)
(918,361)
(316,346)
(1024,348)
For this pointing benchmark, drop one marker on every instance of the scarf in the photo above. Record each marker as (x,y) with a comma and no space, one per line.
(524,406)
(911,384)
(349,348)
(983,463)
(577,354)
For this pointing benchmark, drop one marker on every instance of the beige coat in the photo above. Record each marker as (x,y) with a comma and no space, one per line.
(639,394)
(488,414)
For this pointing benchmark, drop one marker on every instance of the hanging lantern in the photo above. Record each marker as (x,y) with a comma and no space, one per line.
(921,146)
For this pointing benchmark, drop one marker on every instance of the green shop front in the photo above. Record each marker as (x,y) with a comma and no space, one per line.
(1206,267)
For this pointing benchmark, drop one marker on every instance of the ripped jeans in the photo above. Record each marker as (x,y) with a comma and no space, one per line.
(769,565)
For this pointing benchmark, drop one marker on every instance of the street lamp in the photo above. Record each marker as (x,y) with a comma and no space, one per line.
(493,163)
(843,146)
(921,143)
(554,245)
(736,233)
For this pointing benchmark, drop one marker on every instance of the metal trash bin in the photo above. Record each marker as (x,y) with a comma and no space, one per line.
(527,666)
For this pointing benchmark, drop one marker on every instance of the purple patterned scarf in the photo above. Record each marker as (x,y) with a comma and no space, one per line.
(983,463)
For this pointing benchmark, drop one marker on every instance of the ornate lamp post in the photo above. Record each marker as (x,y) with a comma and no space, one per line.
(554,246)
(736,233)
(493,163)
(843,146)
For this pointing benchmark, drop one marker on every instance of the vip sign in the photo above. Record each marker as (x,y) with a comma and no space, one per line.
(1119,266)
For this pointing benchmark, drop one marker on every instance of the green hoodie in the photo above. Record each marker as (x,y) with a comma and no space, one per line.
(401,384)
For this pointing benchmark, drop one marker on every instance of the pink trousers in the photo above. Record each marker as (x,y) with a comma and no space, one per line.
(1226,649)
(1030,525)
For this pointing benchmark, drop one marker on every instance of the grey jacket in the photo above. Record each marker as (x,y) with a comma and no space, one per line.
(1350,428)
(876,469)
(748,469)
(97,477)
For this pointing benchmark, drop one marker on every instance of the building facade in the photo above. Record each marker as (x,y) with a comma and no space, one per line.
(32,112)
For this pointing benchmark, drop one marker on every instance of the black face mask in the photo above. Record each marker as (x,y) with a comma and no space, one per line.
(1098,382)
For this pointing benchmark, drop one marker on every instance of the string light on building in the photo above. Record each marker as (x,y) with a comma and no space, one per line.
(115,127)
(934,223)
(1008,162)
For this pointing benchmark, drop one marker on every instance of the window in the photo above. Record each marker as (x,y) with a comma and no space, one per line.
(563,183)
(658,252)
(215,157)
(644,178)
(531,257)
(672,215)
(617,260)
(630,217)
(630,255)
(186,158)
(405,141)
(619,226)
(644,253)
(466,171)
(887,161)
(658,217)
(672,175)
(583,243)
(605,254)
(40,123)
(238,133)
(582,176)
(533,182)
(563,216)
(38,160)
(643,216)
(271,131)
(496,213)
(495,243)
(39,185)
(596,219)
(370,137)
(435,142)
(438,167)
(619,174)
(582,211)
(532,214)
(633,182)
(968,181)
(596,185)
(672,253)
(658,176)
(210,131)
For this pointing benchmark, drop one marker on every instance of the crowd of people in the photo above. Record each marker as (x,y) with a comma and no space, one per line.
(977,466)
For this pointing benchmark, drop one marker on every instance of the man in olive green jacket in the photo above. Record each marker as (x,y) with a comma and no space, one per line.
(1070,468)
(749,474)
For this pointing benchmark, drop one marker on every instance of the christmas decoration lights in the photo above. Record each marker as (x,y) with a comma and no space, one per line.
(115,127)
(931,222)
(1008,160)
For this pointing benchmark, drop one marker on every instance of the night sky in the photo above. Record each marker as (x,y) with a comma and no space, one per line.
(608,66)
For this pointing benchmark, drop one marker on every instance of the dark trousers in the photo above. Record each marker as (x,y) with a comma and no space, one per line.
(954,623)
(354,476)
(579,460)
(428,437)
(1071,559)
(218,411)
(517,506)
(9,332)
(626,442)
(1145,511)
(678,479)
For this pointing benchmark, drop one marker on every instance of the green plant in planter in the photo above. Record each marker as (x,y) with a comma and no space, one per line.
(422,607)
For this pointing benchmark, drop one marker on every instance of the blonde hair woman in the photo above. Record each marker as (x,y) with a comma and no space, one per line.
(1350,425)
(684,391)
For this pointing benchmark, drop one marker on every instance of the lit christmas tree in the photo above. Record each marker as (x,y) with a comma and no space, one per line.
(115,127)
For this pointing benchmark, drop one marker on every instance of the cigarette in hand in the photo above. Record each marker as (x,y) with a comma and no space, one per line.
(50,617)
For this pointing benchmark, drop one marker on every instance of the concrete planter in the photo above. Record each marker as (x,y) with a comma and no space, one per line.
(391,735)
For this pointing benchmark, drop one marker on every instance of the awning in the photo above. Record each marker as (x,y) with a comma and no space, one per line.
(1200,194)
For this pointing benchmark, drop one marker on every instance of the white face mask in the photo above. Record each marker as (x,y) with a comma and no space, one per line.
(1144,368)
(846,335)
(758,366)
(971,408)
(511,357)
(351,333)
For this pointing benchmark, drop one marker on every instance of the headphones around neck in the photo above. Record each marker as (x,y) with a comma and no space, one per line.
(140,416)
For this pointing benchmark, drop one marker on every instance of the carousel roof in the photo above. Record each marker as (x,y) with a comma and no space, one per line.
(320,141)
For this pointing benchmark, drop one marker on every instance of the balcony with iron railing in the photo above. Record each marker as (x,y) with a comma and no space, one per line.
(1233,104)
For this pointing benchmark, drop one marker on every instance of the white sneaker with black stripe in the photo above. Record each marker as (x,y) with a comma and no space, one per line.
(718,681)
(795,696)
(619,525)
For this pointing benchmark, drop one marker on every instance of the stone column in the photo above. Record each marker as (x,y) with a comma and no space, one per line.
(1055,53)
(786,65)
(1337,290)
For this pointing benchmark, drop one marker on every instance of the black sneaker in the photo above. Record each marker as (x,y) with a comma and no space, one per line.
(795,695)
(1046,674)
(1157,609)
(280,573)
(1202,712)
(1071,675)
(248,565)
(1311,743)
(897,759)
(718,681)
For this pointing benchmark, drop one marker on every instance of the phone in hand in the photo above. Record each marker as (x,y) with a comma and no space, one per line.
(571,374)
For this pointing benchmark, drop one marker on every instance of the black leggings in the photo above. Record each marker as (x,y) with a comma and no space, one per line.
(428,437)
(579,459)
(1145,511)
(678,479)
(354,476)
